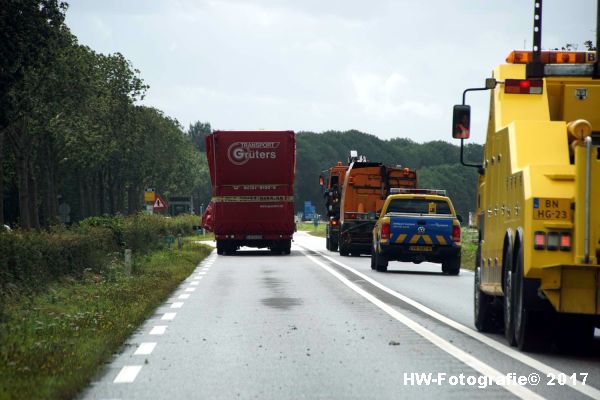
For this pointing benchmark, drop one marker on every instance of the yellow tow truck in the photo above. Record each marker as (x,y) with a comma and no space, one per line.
(537,271)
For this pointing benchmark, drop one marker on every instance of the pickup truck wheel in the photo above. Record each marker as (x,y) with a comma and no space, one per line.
(381,262)
(484,310)
(373,259)
(451,266)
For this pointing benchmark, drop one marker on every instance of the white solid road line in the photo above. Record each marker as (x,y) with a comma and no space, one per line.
(145,349)
(128,374)
(476,364)
(509,351)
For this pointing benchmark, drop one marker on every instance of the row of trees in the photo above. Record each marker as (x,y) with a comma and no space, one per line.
(71,130)
(437,164)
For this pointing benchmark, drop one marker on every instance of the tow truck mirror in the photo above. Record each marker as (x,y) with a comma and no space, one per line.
(461,121)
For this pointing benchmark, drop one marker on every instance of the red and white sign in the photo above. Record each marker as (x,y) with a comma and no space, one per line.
(159,203)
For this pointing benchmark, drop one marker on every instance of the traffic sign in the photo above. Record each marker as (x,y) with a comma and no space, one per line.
(159,203)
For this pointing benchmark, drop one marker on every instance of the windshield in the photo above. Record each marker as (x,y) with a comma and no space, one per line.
(419,206)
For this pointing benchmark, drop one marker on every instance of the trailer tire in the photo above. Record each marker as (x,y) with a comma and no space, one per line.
(286,246)
(485,312)
(220,247)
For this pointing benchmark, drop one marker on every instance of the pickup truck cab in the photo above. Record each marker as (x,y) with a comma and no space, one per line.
(417,225)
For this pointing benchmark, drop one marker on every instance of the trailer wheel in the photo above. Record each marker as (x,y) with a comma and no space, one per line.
(286,246)
(451,266)
(484,311)
(220,247)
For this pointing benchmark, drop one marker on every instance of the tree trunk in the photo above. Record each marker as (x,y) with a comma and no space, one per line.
(1,176)
(100,193)
(83,213)
(34,212)
(23,188)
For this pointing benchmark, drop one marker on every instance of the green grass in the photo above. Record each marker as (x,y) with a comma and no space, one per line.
(53,343)
(469,247)
(310,228)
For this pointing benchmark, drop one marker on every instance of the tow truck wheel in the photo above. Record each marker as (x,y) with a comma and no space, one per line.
(525,321)
(508,303)
(484,310)
(451,266)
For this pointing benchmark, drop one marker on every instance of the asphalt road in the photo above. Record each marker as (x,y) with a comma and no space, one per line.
(314,325)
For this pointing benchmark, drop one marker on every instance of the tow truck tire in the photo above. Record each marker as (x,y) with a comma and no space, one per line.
(328,243)
(484,310)
(451,266)
(381,262)
(508,304)
(526,322)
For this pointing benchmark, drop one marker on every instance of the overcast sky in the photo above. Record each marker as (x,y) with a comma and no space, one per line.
(392,68)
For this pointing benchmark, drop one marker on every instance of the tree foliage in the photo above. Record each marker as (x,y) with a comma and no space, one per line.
(71,130)
(437,163)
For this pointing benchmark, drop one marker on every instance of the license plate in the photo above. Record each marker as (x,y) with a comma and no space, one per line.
(546,208)
(253,237)
(419,248)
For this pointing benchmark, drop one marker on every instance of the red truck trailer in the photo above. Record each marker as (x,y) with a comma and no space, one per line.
(252,175)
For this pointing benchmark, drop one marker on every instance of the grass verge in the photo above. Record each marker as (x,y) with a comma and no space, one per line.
(53,343)
(310,228)
(469,248)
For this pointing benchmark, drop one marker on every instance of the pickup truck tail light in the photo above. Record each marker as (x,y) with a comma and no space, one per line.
(456,233)
(385,231)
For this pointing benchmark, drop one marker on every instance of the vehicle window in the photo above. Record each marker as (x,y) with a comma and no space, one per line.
(419,206)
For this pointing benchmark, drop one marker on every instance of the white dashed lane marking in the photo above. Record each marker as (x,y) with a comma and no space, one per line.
(170,316)
(194,283)
(184,296)
(190,289)
(158,330)
(145,348)
(177,304)
(128,374)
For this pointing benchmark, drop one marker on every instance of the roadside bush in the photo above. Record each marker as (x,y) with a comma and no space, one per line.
(33,259)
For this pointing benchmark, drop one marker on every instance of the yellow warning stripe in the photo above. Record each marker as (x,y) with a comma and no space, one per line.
(441,240)
(401,238)
(251,199)
(415,239)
